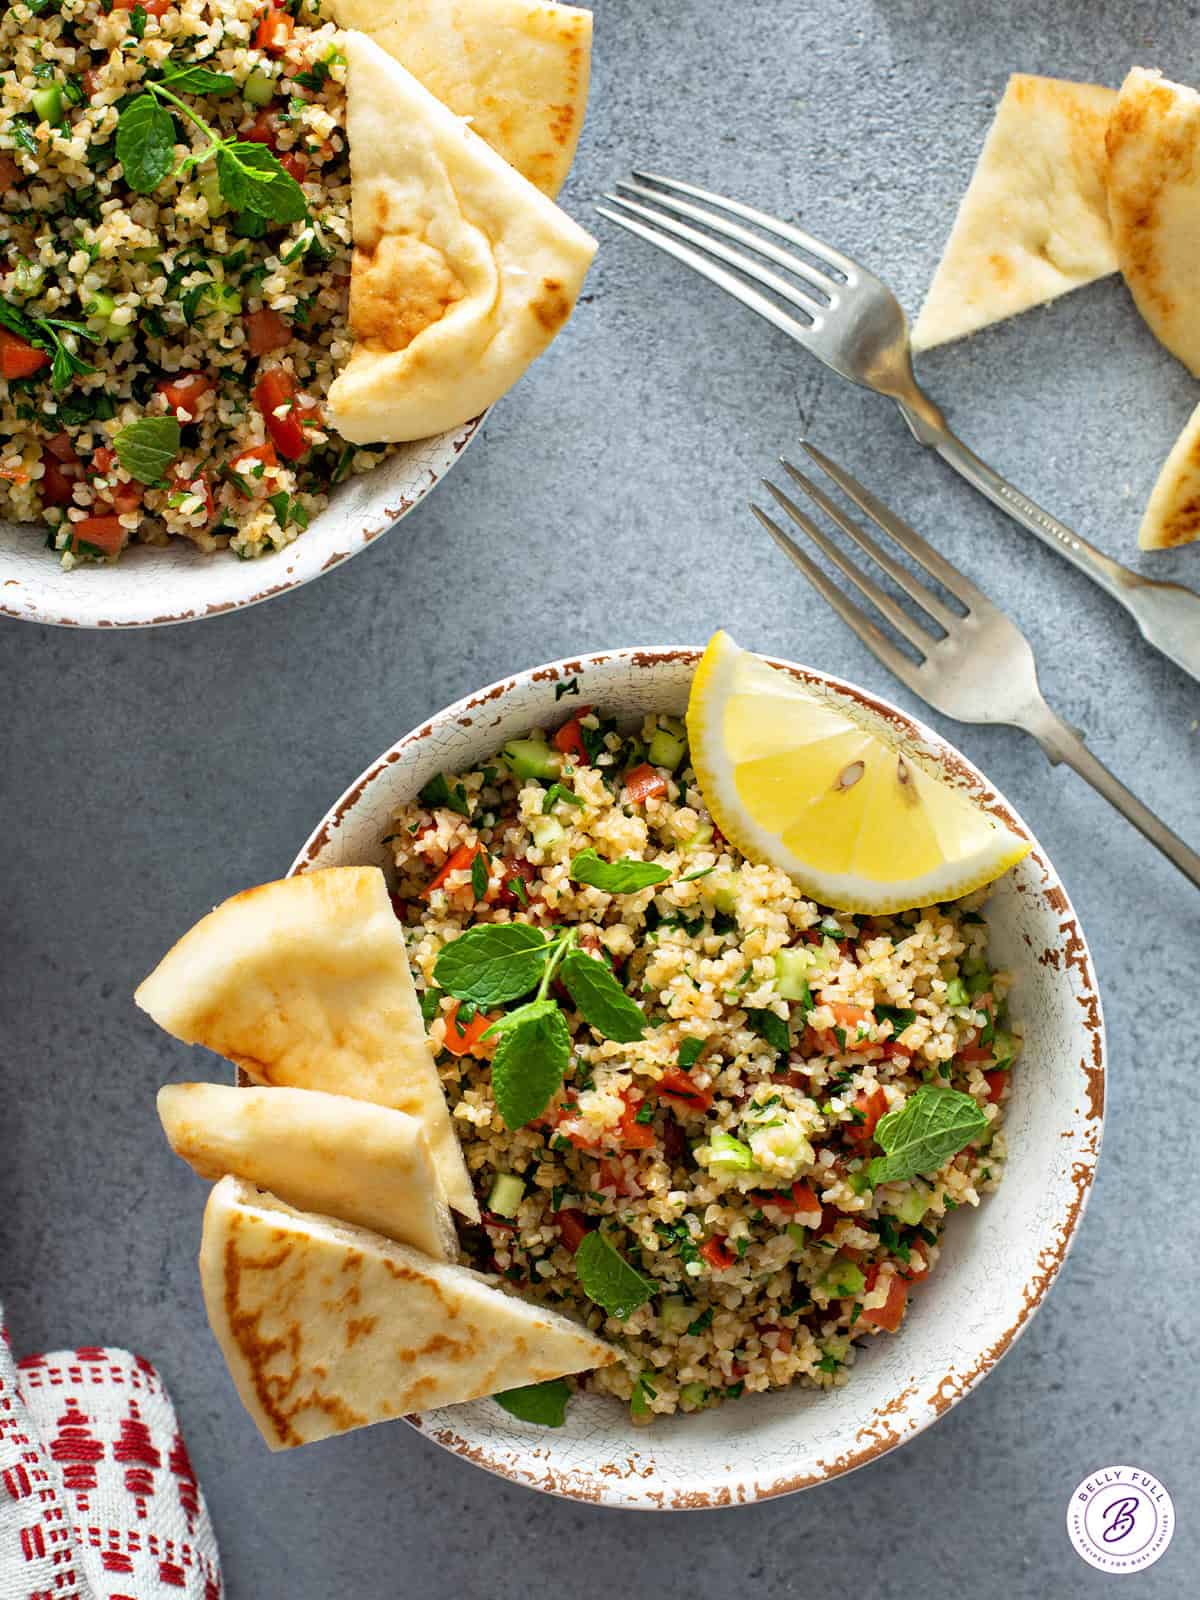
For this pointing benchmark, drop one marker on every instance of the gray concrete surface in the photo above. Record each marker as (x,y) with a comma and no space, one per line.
(147,775)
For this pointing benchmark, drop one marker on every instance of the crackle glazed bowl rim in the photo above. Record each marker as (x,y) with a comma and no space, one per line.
(997,1262)
(156,587)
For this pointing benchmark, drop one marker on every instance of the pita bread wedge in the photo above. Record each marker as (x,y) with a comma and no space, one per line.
(305,984)
(462,274)
(1033,223)
(1154,205)
(347,1158)
(1173,509)
(516,69)
(326,1327)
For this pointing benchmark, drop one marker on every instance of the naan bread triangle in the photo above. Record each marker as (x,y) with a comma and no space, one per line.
(1033,223)
(462,274)
(1154,206)
(305,984)
(1173,510)
(516,69)
(363,1163)
(326,1327)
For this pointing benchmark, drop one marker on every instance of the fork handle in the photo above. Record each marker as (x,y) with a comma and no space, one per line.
(1167,614)
(1062,743)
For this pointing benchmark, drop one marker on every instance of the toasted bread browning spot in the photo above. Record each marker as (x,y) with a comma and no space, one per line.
(552,306)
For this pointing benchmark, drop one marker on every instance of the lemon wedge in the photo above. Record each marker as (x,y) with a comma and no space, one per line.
(822,788)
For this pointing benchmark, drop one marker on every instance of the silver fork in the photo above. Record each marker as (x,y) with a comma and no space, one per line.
(978,667)
(853,322)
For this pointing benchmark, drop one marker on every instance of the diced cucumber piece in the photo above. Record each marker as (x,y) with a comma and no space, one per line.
(695,1394)
(700,840)
(219,299)
(973,964)
(844,1278)
(145,253)
(506,1194)
(98,310)
(727,1154)
(956,992)
(532,758)
(1004,1047)
(722,891)
(210,187)
(28,277)
(668,743)
(797,1234)
(48,104)
(676,1315)
(792,968)
(913,1205)
(546,831)
(979,983)
(859,1182)
(259,89)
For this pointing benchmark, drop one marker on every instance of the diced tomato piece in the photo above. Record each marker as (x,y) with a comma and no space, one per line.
(18,358)
(917,1265)
(261,131)
(716,1253)
(809,1211)
(183,392)
(675,1144)
(458,860)
(513,868)
(58,480)
(642,783)
(60,446)
(197,484)
(635,1135)
(274,389)
(14,474)
(152,8)
(890,1314)
(573,1227)
(294,164)
(266,331)
(975,1053)
(783,1336)
(101,462)
(611,1174)
(9,171)
(995,1083)
(464,1041)
(569,738)
(123,497)
(105,533)
(264,452)
(873,1106)
(891,1049)
(275,29)
(676,1085)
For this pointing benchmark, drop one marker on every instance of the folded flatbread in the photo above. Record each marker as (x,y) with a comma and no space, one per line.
(305,984)
(462,274)
(1154,205)
(327,1327)
(516,69)
(1173,510)
(366,1164)
(1034,221)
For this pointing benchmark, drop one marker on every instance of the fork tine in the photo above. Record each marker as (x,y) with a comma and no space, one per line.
(879,598)
(853,616)
(907,538)
(899,575)
(731,230)
(718,275)
(713,247)
(783,230)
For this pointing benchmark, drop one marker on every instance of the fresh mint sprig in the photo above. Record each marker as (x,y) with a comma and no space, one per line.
(545,1403)
(607,1278)
(930,1127)
(498,962)
(251,179)
(616,877)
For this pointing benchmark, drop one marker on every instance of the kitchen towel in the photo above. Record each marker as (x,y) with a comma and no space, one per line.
(98,1500)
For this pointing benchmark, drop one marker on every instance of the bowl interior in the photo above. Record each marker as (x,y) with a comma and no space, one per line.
(997,1261)
(151,587)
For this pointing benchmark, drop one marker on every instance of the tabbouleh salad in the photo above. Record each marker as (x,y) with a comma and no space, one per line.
(175,248)
(718,1123)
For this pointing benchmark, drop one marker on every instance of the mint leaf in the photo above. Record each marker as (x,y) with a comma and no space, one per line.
(509,1020)
(528,1067)
(616,877)
(437,792)
(769,1027)
(492,963)
(690,1051)
(607,1278)
(145,143)
(545,1403)
(251,179)
(479,875)
(601,999)
(197,80)
(146,448)
(919,1136)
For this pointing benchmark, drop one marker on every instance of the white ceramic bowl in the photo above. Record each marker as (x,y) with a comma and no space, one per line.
(997,1262)
(150,587)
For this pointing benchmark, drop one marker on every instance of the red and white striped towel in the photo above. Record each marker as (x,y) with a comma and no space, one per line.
(98,1500)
